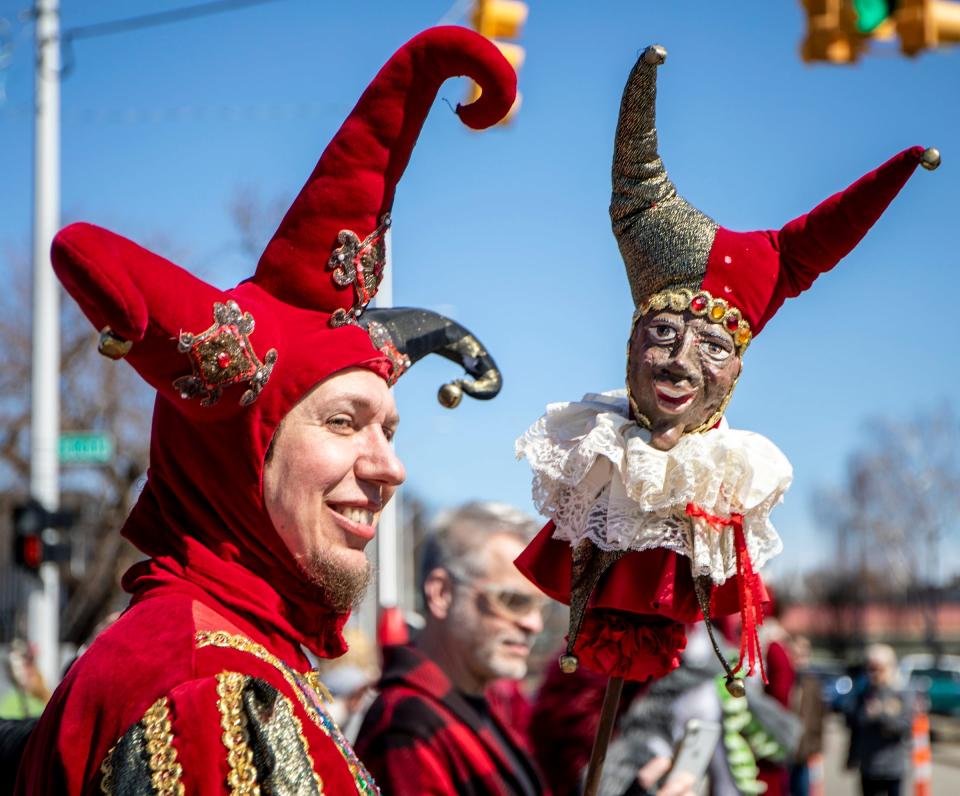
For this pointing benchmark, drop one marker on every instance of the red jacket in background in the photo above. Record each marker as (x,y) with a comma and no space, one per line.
(421,737)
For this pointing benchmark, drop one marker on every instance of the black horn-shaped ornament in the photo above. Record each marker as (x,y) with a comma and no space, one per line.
(407,334)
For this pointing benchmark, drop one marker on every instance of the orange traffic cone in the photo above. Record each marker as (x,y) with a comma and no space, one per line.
(815,768)
(922,760)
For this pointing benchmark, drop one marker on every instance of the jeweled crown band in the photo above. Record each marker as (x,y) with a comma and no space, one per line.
(702,304)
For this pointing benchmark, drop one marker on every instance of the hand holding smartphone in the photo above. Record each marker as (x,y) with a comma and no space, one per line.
(694,752)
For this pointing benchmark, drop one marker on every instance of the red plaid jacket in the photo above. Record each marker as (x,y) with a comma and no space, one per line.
(422,738)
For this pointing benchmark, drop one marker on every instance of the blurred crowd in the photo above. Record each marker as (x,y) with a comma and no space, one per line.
(476,703)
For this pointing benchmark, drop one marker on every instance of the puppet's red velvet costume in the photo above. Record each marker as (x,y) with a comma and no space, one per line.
(631,526)
(202,685)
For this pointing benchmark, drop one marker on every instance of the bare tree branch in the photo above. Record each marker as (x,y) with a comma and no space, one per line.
(96,395)
(890,518)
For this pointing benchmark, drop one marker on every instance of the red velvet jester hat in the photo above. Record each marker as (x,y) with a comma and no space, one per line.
(229,364)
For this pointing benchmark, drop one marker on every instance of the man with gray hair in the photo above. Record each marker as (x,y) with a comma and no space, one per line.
(431,730)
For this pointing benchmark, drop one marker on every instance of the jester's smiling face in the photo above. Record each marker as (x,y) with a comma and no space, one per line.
(681,369)
(330,471)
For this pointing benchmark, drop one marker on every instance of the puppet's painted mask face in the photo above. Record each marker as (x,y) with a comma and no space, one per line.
(681,367)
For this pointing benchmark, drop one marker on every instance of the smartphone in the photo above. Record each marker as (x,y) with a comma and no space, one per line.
(695,750)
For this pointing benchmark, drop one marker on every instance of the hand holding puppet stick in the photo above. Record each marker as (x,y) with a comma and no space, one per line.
(659,511)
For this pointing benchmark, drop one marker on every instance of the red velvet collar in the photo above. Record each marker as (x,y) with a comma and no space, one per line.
(257,594)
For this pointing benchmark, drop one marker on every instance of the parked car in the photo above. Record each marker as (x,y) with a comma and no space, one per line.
(926,660)
(941,686)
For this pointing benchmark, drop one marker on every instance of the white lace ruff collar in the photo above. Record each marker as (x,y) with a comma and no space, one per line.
(597,478)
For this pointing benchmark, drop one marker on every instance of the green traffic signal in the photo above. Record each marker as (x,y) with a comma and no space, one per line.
(871,13)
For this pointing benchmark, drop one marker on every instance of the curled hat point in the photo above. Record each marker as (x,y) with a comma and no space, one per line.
(930,158)
(655,55)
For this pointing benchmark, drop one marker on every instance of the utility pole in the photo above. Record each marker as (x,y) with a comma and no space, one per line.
(388,529)
(44,603)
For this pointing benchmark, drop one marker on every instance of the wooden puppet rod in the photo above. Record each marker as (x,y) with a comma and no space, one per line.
(608,714)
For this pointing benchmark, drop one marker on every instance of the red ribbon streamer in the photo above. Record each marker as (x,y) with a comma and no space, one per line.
(749,590)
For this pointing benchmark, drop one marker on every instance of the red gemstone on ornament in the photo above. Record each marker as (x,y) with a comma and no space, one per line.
(699,303)
(732,323)
(223,359)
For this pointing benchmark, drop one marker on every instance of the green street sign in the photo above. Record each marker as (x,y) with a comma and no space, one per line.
(85,447)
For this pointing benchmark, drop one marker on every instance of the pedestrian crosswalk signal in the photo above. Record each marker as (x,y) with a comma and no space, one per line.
(30,520)
(28,552)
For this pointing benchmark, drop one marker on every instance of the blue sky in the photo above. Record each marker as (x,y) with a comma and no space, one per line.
(508,230)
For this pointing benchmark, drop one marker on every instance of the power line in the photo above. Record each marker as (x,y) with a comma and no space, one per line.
(159,18)
(266,111)
(156,19)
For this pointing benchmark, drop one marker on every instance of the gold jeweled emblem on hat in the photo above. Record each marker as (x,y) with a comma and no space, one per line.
(359,263)
(381,339)
(223,355)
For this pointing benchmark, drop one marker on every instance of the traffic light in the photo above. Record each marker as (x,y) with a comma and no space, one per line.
(28,552)
(30,520)
(924,24)
(500,20)
(839,31)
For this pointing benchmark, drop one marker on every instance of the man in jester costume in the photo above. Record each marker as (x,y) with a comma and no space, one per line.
(659,511)
(270,463)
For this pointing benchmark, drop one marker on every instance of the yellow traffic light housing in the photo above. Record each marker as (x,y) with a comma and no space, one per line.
(923,24)
(832,33)
(499,20)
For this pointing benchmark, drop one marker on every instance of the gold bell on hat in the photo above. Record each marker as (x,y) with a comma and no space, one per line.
(112,345)
(450,395)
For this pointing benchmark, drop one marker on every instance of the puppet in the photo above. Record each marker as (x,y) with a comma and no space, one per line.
(659,512)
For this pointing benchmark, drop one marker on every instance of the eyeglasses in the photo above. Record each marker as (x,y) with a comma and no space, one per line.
(506,602)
